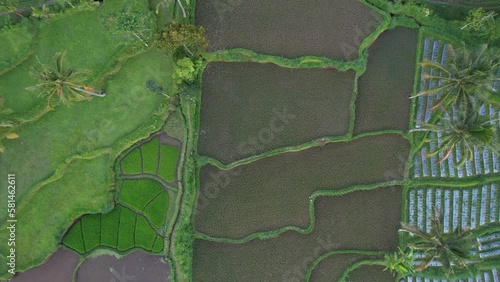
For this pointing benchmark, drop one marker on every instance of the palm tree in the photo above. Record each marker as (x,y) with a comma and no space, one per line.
(467,75)
(455,249)
(465,131)
(400,263)
(6,126)
(66,85)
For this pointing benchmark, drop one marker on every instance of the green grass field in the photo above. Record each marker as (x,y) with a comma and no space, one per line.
(100,130)
(45,214)
(16,44)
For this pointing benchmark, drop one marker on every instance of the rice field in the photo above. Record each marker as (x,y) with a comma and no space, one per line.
(237,202)
(372,273)
(332,267)
(251,108)
(382,102)
(298,28)
(361,220)
(484,161)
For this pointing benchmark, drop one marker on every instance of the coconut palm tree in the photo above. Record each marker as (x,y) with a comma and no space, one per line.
(467,75)
(465,131)
(455,249)
(62,86)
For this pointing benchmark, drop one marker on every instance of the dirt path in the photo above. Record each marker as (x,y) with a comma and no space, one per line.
(453,3)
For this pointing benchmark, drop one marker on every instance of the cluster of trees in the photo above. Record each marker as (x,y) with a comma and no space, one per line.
(453,250)
(466,83)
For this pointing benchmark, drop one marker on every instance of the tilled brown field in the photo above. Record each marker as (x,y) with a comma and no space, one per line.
(382,101)
(362,220)
(372,273)
(274,192)
(331,268)
(59,267)
(288,28)
(251,108)
(135,266)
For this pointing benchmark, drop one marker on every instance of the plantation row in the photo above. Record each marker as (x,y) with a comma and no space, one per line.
(490,245)
(121,229)
(485,276)
(153,158)
(484,161)
(461,207)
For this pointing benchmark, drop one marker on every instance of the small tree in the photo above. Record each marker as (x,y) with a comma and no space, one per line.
(400,263)
(454,249)
(62,86)
(189,37)
(467,75)
(482,24)
(185,71)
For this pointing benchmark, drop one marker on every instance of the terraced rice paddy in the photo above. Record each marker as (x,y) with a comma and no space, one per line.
(285,28)
(250,108)
(382,102)
(238,201)
(484,162)
(362,220)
